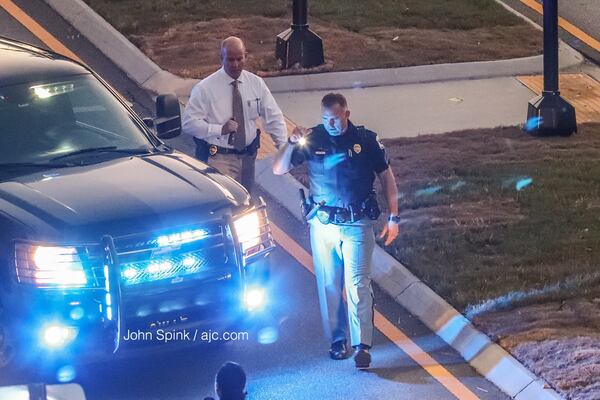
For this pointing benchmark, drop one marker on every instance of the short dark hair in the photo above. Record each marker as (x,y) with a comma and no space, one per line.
(331,99)
(231,380)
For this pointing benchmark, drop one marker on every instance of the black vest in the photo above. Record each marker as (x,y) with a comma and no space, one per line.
(340,171)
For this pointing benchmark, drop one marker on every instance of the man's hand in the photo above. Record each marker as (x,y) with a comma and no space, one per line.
(230,127)
(391,230)
(282,162)
(298,133)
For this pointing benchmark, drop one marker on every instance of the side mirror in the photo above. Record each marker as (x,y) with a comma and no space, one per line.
(168,116)
(149,122)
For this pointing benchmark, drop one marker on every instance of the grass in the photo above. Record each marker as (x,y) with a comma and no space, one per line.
(145,16)
(493,212)
(357,15)
(183,36)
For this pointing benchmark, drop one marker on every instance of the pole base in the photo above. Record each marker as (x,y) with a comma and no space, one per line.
(299,45)
(550,115)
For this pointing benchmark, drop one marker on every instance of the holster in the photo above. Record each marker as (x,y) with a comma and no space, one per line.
(201,149)
(253,147)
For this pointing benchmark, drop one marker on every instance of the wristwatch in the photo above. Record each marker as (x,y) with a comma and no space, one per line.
(394,218)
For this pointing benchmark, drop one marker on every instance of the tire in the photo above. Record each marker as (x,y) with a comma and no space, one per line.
(6,350)
(8,354)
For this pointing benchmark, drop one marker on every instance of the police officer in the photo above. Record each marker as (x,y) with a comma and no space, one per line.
(343,160)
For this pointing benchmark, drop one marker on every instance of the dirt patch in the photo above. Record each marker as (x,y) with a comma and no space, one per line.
(190,49)
(559,341)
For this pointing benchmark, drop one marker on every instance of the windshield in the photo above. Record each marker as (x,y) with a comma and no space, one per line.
(42,122)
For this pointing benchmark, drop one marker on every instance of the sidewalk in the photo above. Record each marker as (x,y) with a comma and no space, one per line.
(411,110)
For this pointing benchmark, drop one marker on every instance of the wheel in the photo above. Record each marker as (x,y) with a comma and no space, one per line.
(6,350)
(15,368)
(9,372)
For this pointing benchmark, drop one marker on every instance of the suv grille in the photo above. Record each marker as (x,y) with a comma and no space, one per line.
(197,252)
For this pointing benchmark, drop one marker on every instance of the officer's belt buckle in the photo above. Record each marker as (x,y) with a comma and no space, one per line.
(341,216)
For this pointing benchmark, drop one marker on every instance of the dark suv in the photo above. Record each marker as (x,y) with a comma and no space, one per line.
(104,229)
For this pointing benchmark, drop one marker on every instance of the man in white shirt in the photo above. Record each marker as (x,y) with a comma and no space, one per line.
(222,112)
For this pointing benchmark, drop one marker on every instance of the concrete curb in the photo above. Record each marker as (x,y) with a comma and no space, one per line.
(520,15)
(486,357)
(150,76)
(420,74)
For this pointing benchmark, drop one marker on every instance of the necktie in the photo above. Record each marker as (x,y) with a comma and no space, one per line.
(239,138)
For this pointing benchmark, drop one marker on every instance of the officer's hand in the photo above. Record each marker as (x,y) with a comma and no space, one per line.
(229,127)
(391,230)
(298,133)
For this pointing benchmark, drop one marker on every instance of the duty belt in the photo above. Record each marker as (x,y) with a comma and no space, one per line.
(338,215)
(204,150)
(214,149)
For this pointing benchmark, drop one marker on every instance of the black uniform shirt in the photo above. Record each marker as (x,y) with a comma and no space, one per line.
(341,168)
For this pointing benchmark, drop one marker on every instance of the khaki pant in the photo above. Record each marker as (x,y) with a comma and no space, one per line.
(342,258)
(238,166)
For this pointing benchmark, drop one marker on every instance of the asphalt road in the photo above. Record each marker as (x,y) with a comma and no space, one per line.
(289,359)
(584,14)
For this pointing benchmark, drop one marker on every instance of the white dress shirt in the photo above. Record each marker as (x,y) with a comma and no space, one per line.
(210,107)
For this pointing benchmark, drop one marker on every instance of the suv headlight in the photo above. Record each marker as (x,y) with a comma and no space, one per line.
(49,266)
(248,230)
(254,232)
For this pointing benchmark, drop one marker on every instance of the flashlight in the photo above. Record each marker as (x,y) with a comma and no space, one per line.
(302,141)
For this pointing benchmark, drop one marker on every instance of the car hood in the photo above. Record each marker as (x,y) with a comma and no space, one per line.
(120,197)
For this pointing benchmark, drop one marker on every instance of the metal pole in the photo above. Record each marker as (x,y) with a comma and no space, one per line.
(551,46)
(298,46)
(550,114)
(300,14)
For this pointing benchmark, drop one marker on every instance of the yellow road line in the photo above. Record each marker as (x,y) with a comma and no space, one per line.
(428,363)
(35,28)
(566,25)
(441,374)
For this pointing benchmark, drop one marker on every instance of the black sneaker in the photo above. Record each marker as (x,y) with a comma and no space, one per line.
(338,350)
(362,358)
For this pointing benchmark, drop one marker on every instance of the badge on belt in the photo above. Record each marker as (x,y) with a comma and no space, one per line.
(212,150)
